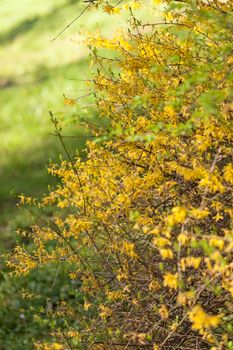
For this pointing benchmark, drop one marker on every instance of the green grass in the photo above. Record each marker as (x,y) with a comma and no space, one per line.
(34,75)
(27,141)
(35,72)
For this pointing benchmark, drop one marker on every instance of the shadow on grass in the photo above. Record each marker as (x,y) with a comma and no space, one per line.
(18,30)
(27,24)
(19,330)
(23,163)
(27,174)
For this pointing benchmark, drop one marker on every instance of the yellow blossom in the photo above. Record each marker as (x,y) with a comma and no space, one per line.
(212,183)
(183,238)
(135,5)
(129,249)
(217,242)
(199,213)
(69,101)
(111,9)
(163,312)
(228,173)
(201,320)
(86,306)
(154,285)
(104,311)
(185,297)
(190,261)
(166,253)
(161,241)
(171,280)
(178,215)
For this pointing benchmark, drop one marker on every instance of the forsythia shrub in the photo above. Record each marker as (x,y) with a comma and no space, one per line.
(144,223)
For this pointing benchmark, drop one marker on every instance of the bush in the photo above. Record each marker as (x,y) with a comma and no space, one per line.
(144,223)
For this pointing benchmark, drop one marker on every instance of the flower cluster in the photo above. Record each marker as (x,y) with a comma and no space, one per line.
(145,222)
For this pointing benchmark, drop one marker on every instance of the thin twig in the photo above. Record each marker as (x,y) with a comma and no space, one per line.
(56,275)
(72,22)
(69,157)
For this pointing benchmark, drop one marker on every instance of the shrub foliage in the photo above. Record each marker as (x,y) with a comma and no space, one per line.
(144,223)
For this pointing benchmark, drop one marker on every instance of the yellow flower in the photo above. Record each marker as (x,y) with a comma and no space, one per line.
(182,238)
(217,242)
(228,173)
(163,312)
(170,281)
(216,256)
(200,213)
(185,297)
(161,241)
(69,101)
(104,312)
(115,295)
(86,305)
(111,9)
(212,183)
(178,216)
(47,346)
(201,320)
(135,5)
(155,231)
(57,346)
(169,111)
(154,285)
(190,261)
(166,253)
(129,249)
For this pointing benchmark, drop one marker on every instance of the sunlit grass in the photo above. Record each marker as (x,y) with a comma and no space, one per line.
(35,72)
(34,75)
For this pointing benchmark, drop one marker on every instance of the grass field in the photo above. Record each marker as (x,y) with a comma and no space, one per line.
(34,75)
(35,72)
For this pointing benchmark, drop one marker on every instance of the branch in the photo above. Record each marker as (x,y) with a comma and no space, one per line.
(72,22)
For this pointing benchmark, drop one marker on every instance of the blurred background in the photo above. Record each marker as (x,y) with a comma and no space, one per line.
(35,72)
(34,75)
